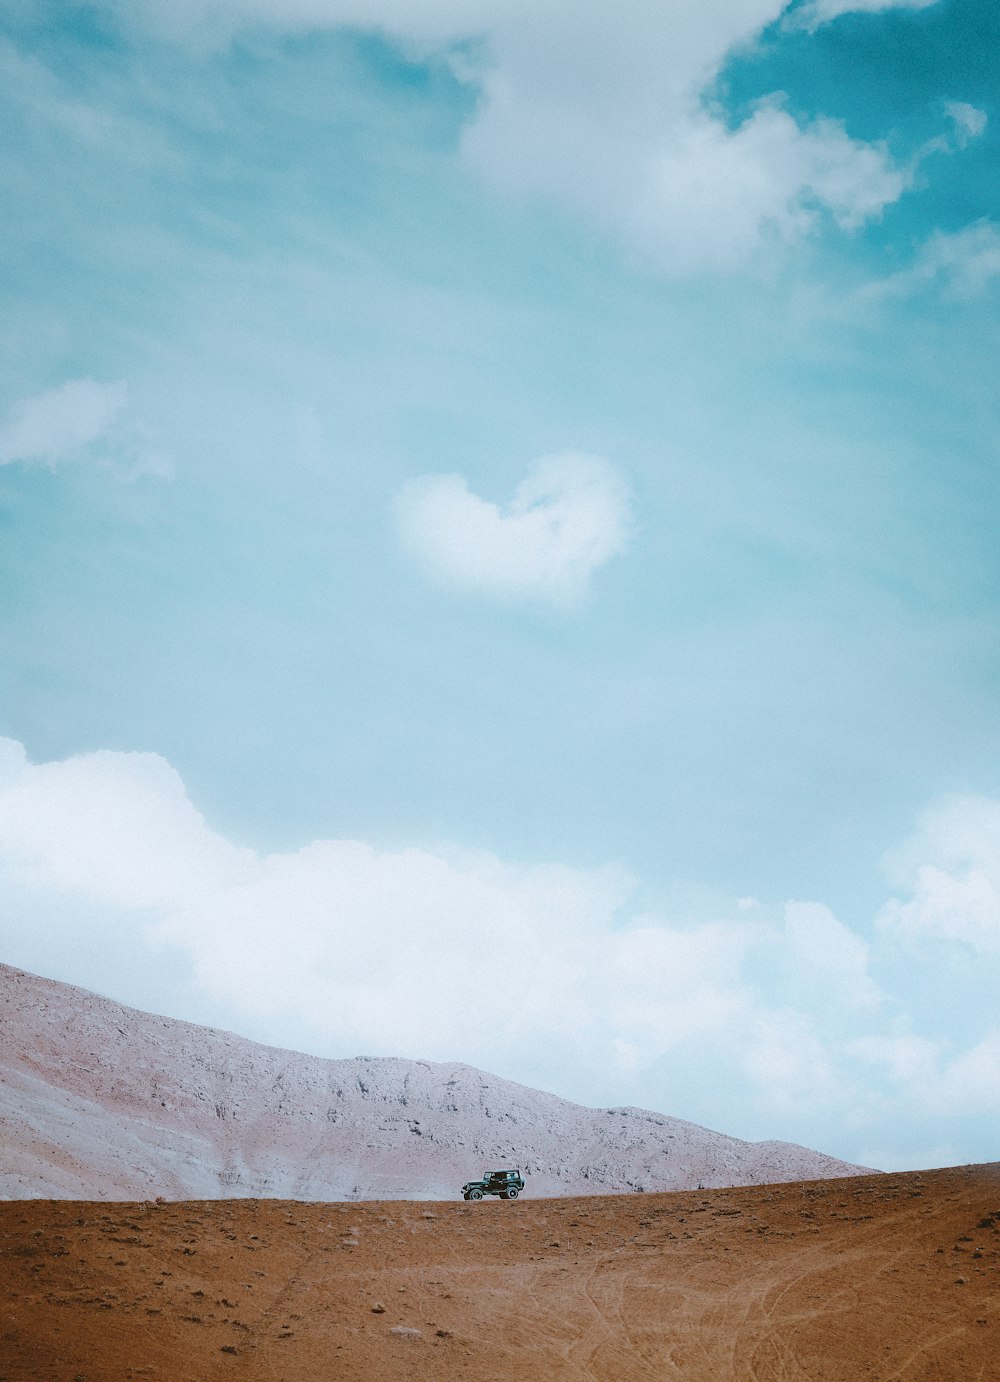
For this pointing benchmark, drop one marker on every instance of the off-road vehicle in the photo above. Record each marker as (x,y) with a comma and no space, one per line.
(507,1184)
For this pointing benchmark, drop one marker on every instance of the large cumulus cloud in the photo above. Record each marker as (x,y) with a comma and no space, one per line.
(777,1018)
(606,110)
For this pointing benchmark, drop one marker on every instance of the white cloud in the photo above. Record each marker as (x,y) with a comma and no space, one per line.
(689,192)
(670,985)
(969,121)
(55,425)
(817,12)
(961,264)
(602,109)
(607,117)
(115,827)
(447,953)
(908,1058)
(818,944)
(943,1083)
(955,266)
(790,1063)
(971,1081)
(951,869)
(567,518)
(541,972)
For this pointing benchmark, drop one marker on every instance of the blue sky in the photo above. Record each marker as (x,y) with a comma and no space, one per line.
(486,468)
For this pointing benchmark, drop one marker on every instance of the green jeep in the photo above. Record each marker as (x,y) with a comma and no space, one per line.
(507,1184)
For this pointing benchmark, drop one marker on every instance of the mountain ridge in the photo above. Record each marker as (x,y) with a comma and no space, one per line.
(102,1101)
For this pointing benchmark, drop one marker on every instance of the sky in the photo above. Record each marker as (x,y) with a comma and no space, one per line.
(499,541)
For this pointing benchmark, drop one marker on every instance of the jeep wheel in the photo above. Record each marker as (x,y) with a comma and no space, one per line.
(475,1194)
(512,1193)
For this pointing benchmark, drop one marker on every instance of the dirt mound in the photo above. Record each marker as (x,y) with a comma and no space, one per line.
(99,1101)
(882,1277)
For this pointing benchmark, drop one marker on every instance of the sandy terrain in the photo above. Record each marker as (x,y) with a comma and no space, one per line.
(874,1277)
(100,1101)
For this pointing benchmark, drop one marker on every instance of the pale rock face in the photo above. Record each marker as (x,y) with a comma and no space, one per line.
(99,1101)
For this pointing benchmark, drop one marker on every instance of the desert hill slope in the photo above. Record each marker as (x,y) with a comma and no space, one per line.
(100,1101)
(873,1278)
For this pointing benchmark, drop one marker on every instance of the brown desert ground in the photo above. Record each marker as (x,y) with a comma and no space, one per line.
(875,1277)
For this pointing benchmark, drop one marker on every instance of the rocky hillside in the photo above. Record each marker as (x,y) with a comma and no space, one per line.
(99,1101)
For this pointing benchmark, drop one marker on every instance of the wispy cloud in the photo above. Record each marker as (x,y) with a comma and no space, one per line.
(94,127)
(60,423)
(959,266)
(816,12)
(83,419)
(566,519)
(969,121)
